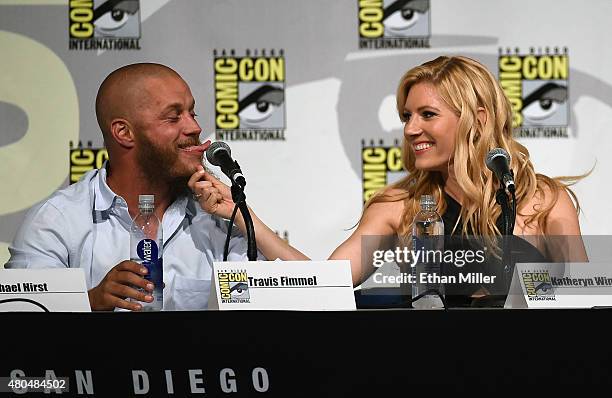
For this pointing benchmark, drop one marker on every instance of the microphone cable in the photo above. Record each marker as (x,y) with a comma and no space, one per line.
(229,233)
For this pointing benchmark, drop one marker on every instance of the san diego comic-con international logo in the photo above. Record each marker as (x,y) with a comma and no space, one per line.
(249,95)
(394,24)
(84,159)
(104,24)
(538,286)
(380,165)
(537,85)
(234,287)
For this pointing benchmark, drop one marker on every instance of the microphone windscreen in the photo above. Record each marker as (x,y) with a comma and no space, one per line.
(493,153)
(213,149)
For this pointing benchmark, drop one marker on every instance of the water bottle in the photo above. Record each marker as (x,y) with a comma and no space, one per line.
(428,238)
(146,247)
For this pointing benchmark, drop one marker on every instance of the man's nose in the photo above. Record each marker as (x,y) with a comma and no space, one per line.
(192,127)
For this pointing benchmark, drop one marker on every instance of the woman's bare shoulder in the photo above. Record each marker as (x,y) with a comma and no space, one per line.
(562,218)
(388,211)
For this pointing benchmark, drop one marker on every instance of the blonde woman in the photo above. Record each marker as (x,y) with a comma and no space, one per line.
(454,112)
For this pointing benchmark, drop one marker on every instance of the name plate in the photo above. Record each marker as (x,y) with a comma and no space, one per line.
(282,285)
(43,290)
(560,285)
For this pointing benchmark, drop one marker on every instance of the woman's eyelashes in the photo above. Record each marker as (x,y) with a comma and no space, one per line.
(424,114)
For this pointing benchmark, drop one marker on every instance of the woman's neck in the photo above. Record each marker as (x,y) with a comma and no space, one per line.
(451,186)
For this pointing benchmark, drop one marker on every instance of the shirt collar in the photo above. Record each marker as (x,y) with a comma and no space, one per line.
(106,199)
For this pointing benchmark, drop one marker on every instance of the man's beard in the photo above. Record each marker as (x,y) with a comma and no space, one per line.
(161,166)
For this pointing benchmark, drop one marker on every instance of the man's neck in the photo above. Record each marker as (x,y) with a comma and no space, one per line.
(130,185)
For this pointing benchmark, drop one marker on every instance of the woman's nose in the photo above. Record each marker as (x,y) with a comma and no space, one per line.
(412,127)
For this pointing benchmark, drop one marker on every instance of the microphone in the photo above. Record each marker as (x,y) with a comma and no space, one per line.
(220,154)
(498,161)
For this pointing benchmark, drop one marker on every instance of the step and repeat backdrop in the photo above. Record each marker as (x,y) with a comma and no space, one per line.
(302,91)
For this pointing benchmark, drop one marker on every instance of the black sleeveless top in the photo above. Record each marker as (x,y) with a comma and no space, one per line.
(453,213)
(517,250)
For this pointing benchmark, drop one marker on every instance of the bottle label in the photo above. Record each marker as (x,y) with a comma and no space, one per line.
(147,251)
(148,254)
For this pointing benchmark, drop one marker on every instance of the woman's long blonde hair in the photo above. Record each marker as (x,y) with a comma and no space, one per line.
(466,85)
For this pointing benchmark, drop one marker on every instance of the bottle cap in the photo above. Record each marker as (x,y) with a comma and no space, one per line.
(146,203)
(146,199)
(428,200)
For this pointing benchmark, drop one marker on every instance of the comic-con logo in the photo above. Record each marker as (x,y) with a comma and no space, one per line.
(249,95)
(537,86)
(104,24)
(84,159)
(380,165)
(538,285)
(394,24)
(234,287)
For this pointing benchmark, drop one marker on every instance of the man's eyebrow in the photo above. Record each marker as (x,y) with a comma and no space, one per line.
(177,107)
(172,107)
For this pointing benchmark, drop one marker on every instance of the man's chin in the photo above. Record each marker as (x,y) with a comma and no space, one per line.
(185,164)
(189,166)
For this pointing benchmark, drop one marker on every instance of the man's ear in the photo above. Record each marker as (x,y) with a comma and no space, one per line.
(481,114)
(122,132)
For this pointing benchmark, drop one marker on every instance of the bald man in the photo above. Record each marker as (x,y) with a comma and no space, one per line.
(147,118)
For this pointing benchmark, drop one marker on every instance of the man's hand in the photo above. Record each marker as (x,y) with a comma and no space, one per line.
(214,196)
(118,285)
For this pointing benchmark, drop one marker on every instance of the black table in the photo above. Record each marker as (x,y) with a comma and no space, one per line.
(287,354)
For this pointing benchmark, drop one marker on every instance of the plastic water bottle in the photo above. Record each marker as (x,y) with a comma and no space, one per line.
(428,238)
(146,247)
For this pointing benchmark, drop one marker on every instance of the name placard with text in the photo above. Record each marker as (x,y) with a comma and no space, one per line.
(560,285)
(282,285)
(43,290)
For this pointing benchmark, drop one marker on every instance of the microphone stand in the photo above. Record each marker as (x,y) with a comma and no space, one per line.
(408,302)
(239,199)
(509,219)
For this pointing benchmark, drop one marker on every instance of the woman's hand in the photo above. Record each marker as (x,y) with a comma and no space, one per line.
(213,195)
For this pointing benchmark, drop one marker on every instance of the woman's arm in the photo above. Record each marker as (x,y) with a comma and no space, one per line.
(563,236)
(561,240)
(216,198)
(379,222)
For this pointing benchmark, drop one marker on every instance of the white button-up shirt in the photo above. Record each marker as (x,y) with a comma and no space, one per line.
(87,225)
